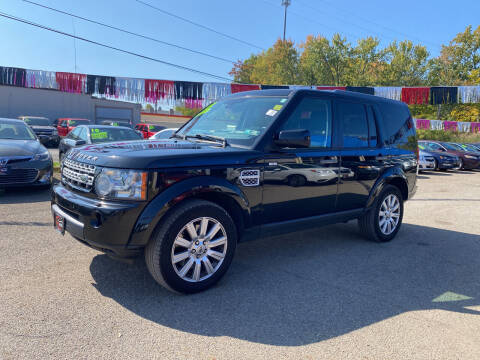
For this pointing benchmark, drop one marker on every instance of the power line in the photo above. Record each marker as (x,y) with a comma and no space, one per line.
(113,48)
(197,24)
(129,32)
(364,19)
(312,20)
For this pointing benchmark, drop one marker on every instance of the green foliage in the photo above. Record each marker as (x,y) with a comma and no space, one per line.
(335,61)
(187,111)
(454,112)
(449,136)
(459,62)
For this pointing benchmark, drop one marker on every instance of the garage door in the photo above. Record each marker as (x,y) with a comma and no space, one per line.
(121,115)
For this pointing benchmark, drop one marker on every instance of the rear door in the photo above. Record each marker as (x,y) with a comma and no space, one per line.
(302,182)
(362,159)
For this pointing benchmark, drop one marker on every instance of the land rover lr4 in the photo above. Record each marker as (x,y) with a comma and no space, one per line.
(252,164)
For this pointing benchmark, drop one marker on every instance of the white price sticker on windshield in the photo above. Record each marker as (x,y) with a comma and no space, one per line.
(271,112)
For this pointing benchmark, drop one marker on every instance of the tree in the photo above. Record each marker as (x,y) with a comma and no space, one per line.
(367,61)
(242,70)
(406,65)
(325,63)
(459,62)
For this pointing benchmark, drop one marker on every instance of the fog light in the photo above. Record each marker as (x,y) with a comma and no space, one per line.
(46,178)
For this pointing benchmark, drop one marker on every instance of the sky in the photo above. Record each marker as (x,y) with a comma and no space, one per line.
(258,22)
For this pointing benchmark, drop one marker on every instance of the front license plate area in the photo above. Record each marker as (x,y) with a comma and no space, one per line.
(59,223)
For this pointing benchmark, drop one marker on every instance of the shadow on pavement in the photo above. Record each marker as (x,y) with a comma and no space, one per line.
(24,195)
(311,286)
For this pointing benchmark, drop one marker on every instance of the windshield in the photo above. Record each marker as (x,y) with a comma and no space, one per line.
(37,121)
(155,128)
(99,135)
(79,122)
(238,120)
(164,134)
(17,131)
(470,148)
(453,147)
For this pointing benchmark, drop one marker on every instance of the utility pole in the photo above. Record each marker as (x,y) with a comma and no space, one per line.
(285,3)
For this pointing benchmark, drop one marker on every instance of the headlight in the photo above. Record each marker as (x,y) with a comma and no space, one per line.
(442,157)
(43,156)
(55,132)
(121,184)
(471,157)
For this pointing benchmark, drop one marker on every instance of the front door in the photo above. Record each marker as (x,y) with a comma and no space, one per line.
(299,183)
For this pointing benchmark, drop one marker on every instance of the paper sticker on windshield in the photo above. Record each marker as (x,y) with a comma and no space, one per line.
(278,107)
(283,101)
(96,134)
(271,112)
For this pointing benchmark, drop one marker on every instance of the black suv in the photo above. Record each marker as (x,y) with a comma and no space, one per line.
(186,201)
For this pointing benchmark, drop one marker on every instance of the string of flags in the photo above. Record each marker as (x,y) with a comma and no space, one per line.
(199,95)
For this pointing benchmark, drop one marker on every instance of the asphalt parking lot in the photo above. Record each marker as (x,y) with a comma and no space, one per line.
(323,294)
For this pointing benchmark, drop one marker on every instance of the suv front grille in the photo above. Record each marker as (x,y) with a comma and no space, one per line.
(429,158)
(78,175)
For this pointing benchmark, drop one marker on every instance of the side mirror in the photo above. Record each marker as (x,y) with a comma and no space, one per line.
(80,142)
(43,139)
(293,138)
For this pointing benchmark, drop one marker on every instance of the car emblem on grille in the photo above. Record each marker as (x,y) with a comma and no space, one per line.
(83,178)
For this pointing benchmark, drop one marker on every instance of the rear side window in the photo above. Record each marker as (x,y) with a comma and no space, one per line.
(354,124)
(397,125)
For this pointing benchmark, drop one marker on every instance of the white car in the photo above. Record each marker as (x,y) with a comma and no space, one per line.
(426,162)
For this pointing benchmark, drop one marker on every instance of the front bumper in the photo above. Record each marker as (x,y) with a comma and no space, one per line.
(448,164)
(426,165)
(27,174)
(104,226)
(471,163)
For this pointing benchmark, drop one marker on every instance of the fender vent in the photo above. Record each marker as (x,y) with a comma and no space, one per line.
(250,177)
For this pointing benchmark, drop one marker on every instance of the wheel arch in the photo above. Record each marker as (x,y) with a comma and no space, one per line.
(215,190)
(394,177)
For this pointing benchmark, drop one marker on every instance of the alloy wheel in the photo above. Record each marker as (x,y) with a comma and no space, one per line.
(199,249)
(389,215)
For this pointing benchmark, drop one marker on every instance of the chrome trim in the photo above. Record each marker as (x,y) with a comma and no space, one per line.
(57,210)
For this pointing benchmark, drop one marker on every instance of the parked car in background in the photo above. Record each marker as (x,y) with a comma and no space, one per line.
(431,159)
(468,147)
(164,134)
(24,161)
(65,125)
(95,134)
(148,130)
(43,128)
(185,204)
(468,160)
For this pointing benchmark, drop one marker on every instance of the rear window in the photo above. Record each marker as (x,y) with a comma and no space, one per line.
(99,135)
(397,124)
(79,122)
(37,121)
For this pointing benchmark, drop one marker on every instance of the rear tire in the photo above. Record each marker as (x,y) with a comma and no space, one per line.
(182,235)
(370,224)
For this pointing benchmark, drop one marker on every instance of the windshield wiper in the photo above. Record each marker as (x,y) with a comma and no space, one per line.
(217,139)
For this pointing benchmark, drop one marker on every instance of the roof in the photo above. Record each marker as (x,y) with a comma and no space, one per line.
(11,121)
(33,117)
(292,92)
(105,127)
(68,118)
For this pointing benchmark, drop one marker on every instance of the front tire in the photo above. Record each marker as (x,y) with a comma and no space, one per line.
(192,248)
(383,221)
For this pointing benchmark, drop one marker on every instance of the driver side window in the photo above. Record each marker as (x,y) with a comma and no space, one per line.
(314,115)
(74,134)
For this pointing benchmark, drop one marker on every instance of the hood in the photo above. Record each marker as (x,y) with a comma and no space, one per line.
(42,127)
(20,147)
(154,154)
